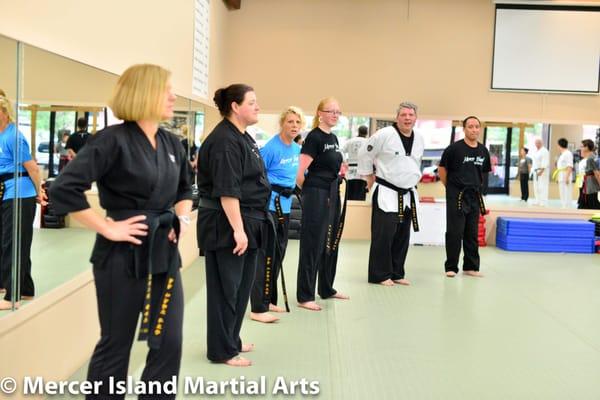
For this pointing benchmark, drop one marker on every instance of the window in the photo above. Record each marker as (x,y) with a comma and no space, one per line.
(198,128)
(436,133)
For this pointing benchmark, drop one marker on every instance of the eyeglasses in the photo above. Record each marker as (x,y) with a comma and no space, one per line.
(332,112)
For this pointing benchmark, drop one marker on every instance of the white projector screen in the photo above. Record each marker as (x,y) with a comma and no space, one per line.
(547,48)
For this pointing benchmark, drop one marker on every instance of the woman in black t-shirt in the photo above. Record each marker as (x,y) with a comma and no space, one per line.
(322,158)
(234,192)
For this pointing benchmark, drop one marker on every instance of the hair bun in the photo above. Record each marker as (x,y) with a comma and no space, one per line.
(220,98)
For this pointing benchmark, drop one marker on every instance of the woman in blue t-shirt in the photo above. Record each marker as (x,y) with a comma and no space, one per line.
(29,190)
(281,157)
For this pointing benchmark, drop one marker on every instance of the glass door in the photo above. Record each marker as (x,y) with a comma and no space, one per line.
(497,139)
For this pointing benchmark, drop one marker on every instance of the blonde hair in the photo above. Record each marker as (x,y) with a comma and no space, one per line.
(185,130)
(292,110)
(6,108)
(2,93)
(320,107)
(140,93)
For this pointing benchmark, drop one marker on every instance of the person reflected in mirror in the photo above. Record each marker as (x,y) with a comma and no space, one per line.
(61,149)
(17,163)
(79,138)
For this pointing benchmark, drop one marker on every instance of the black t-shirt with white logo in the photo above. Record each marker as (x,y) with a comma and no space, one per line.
(465,164)
(327,159)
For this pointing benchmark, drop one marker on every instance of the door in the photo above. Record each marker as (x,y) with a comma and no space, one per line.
(497,139)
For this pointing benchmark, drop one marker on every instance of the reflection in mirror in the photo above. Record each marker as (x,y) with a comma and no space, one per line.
(62,103)
(196,134)
(9,68)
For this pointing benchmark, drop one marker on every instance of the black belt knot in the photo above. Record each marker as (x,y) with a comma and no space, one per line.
(401,192)
(478,195)
(155,219)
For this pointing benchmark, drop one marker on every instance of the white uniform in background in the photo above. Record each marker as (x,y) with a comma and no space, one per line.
(565,161)
(350,150)
(541,160)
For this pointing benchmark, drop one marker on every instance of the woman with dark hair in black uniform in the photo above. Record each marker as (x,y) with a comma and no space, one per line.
(321,156)
(143,182)
(234,193)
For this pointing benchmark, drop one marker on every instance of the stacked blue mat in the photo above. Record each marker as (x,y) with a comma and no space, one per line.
(545,235)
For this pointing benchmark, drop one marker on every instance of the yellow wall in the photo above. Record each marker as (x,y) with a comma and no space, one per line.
(112,35)
(8,67)
(52,79)
(372,54)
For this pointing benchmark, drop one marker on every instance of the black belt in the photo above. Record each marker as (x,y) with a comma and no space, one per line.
(334,193)
(478,195)
(269,265)
(286,192)
(401,192)
(145,254)
(6,177)
(212,204)
(353,164)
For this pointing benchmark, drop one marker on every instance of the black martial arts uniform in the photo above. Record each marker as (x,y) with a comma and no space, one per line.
(394,209)
(320,216)
(229,165)
(133,178)
(467,168)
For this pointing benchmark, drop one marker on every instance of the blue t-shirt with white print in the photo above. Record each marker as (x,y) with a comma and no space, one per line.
(8,157)
(281,163)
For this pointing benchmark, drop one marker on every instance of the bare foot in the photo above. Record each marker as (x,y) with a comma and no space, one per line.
(7,305)
(341,296)
(404,282)
(274,308)
(238,362)
(246,348)
(450,274)
(476,274)
(263,317)
(310,305)
(387,282)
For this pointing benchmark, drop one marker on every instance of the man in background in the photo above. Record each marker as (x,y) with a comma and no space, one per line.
(357,186)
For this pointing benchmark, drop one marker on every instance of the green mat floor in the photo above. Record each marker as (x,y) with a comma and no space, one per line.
(528,330)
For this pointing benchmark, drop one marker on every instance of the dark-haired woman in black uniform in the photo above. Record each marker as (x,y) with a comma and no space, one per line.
(234,193)
(321,155)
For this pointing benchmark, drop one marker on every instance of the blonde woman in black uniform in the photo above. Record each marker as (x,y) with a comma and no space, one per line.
(234,193)
(142,176)
(321,156)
